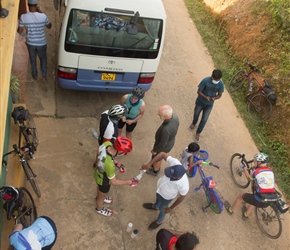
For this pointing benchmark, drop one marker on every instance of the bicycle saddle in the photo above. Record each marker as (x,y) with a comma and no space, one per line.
(12,199)
(20,114)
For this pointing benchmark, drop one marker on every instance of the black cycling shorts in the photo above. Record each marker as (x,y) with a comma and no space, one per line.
(250,199)
(129,128)
(104,189)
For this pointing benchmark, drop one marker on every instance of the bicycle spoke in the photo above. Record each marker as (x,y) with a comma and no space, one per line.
(237,173)
(31,131)
(214,201)
(31,178)
(237,81)
(259,107)
(27,211)
(269,222)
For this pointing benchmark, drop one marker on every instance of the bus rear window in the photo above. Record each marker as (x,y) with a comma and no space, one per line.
(117,35)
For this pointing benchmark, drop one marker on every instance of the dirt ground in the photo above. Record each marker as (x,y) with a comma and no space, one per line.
(67,150)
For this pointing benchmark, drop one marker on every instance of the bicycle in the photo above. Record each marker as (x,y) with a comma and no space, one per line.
(22,154)
(268,219)
(259,106)
(27,127)
(207,183)
(18,204)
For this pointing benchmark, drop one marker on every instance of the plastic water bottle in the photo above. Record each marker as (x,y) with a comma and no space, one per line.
(242,166)
(251,86)
(139,176)
(129,227)
(134,233)
(95,134)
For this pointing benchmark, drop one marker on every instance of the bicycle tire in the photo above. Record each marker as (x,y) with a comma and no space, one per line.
(259,107)
(28,206)
(237,173)
(269,222)
(237,81)
(30,132)
(31,177)
(214,201)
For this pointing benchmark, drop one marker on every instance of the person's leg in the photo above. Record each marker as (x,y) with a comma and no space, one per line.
(121,124)
(237,202)
(32,56)
(163,204)
(205,114)
(197,109)
(157,166)
(129,130)
(100,198)
(41,51)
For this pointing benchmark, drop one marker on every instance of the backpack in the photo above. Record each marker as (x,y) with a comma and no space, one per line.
(269,92)
(264,180)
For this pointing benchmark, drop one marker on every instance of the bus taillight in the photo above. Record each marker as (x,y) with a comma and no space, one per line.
(146,77)
(67,73)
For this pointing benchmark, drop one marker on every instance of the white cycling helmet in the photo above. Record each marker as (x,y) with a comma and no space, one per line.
(116,112)
(261,157)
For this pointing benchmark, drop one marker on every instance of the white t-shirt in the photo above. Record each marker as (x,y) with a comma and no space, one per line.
(169,189)
(184,158)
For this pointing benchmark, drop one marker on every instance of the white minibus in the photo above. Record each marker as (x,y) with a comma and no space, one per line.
(111,45)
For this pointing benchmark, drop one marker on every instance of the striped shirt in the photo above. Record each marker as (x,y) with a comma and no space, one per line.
(34,23)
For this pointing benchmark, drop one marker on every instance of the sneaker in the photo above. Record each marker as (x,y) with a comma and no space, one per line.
(151,171)
(105,211)
(196,137)
(228,207)
(107,200)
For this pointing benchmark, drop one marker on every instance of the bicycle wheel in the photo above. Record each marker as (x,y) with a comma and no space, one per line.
(30,132)
(31,177)
(237,173)
(237,81)
(259,107)
(269,221)
(214,201)
(27,211)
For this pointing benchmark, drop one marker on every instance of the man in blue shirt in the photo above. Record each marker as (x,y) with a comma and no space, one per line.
(41,234)
(209,90)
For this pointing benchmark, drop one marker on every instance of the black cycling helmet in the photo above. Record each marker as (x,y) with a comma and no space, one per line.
(138,92)
(116,112)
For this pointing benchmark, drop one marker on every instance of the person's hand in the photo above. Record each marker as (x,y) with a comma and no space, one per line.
(134,182)
(124,119)
(153,153)
(167,210)
(129,122)
(208,99)
(145,166)
(199,162)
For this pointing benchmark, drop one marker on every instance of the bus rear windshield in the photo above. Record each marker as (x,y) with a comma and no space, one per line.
(117,35)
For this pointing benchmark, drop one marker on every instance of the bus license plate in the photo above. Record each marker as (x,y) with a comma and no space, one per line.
(108,77)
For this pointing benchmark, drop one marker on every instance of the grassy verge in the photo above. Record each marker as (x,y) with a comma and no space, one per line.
(214,37)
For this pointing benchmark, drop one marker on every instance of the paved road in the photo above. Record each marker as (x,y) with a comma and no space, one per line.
(67,149)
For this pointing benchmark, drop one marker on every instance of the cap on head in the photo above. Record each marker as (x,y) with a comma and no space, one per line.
(174,172)
(32,1)
(216,74)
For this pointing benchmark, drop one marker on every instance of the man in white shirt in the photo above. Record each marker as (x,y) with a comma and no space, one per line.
(172,184)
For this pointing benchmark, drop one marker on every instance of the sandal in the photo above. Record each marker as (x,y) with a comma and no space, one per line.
(197,137)
(191,127)
(228,207)
(120,166)
(105,212)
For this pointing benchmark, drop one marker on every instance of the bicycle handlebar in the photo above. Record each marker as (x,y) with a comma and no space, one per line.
(198,157)
(254,68)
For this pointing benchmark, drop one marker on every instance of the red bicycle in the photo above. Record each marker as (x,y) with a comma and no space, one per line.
(260,95)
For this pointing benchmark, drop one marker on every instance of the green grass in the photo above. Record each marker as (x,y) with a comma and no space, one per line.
(214,37)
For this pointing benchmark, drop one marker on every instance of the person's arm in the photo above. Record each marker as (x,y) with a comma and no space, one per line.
(159,147)
(17,227)
(218,96)
(157,158)
(175,204)
(199,92)
(191,163)
(116,182)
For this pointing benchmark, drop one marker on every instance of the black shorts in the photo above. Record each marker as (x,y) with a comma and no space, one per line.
(104,189)
(129,128)
(250,199)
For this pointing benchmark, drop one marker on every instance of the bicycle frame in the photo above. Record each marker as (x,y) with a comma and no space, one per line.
(208,184)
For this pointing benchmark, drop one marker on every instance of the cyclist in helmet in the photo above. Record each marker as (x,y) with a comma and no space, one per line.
(104,172)
(262,180)
(109,127)
(136,109)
